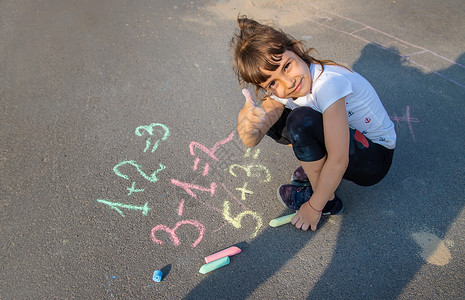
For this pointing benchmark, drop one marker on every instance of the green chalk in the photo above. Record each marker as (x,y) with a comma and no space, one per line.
(214,265)
(281,220)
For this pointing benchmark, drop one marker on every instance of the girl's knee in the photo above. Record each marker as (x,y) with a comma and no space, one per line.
(303,121)
(303,116)
(305,130)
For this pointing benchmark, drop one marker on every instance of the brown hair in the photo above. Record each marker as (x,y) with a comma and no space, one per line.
(257,46)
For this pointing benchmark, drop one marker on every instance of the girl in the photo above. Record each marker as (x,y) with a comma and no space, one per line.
(331,115)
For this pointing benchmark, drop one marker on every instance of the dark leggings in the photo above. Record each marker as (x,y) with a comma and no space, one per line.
(303,128)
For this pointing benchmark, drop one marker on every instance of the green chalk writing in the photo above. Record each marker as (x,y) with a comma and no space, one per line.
(151,178)
(133,189)
(150,130)
(116,206)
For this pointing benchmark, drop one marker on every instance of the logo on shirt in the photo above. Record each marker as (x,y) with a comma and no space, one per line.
(367,120)
(350,113)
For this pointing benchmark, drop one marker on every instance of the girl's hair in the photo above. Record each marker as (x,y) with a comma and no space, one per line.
(257,46)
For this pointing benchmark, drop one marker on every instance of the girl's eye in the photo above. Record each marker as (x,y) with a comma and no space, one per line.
(287,66)
(271,84)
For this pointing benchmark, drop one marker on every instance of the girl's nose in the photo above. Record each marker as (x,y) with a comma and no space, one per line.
(290,82)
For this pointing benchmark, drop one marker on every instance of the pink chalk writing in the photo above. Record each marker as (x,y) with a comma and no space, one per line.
(406,118)
(181,207)
(188,187)
(173,237)
(209,152)
(206,169)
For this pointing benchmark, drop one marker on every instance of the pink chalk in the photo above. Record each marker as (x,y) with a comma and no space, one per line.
(223,253)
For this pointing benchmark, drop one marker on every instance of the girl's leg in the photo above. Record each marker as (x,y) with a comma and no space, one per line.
(368,162)
(305,130)
(313,170)
(278,131)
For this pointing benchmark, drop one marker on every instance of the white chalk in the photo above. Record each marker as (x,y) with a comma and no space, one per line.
(226,252)
(281,220)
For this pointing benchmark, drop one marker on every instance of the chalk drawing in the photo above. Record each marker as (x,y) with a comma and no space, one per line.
(244,191)
(248,169)
(116,206)
(181,207)
(209,152)
(206,169)
(236,222)
(133,189)
(174,238)
(151,178)
(239,202)
(251,170)
(188,187)
(249,151)
(150,130)
(406,118)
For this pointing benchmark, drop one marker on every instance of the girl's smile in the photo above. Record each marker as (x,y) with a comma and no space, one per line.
(291,79)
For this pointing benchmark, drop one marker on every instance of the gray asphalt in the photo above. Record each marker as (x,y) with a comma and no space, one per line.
(120,155)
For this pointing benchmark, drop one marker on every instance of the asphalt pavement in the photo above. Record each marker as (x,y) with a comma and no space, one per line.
(121,157)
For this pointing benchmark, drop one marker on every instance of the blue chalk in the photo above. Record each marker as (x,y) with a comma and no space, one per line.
(157,275)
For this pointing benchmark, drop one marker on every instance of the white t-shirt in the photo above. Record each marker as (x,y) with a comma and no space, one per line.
(365,112)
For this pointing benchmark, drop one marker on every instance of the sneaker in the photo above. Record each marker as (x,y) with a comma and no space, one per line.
(333,207)
(299,178)
(293,197)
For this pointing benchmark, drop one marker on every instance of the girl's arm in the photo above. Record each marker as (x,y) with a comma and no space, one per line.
(254,121)
(337,137)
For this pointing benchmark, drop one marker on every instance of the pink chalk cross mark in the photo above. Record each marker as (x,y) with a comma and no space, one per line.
(406,118)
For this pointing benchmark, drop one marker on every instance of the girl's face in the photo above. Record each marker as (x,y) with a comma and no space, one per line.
(291,79)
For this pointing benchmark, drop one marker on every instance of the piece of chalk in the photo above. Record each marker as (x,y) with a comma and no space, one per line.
(214,265)
(157,276)
(226,252)
(281,220)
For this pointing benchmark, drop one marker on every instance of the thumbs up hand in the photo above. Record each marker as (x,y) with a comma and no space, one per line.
(248,97)
(253,116)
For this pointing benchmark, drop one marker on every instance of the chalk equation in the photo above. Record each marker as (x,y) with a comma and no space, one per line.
(203,158)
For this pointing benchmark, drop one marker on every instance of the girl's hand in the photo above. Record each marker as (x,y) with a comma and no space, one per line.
(254,116)
(254,121)
(306,218)
(251,120)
